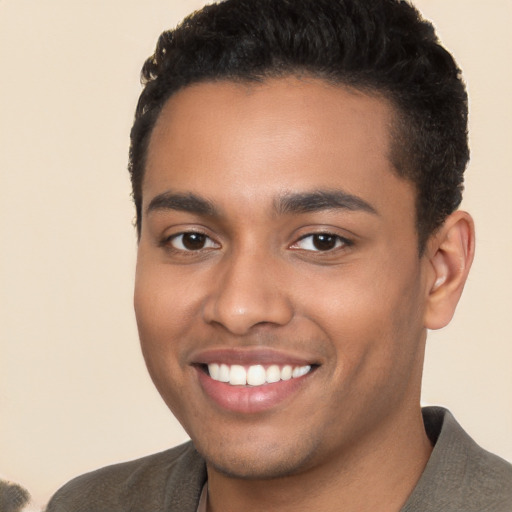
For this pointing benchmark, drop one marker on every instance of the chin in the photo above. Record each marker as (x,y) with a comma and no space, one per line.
(263,464)
(250,470)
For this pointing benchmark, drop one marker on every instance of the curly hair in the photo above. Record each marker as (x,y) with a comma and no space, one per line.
(378,46)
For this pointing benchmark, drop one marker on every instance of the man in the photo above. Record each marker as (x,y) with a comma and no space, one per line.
(297,168)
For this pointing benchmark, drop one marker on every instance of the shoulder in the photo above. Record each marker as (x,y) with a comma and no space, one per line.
(460,475)
(486,481)
(170,480)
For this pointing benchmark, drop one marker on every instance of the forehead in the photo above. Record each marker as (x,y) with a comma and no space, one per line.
(241,141)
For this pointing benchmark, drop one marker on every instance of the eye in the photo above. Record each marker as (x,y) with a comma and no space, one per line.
(321,242)
(191,241)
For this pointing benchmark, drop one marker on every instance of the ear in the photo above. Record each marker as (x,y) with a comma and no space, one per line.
(450,253)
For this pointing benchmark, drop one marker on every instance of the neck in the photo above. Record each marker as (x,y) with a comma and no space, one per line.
(377,473)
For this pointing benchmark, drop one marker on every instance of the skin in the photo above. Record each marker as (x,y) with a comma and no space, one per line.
(352,434)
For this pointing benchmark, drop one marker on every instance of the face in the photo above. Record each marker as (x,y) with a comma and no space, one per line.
(279,292)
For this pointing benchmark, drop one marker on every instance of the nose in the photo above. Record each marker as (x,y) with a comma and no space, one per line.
(248,292)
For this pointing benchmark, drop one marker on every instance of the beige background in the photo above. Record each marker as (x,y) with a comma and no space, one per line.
(74,394)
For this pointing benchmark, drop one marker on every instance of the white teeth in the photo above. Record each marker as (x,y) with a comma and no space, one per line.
(273,374)
(237,375)
(286,372)
(214,371)
(223,373)
(299,371)
(255,375)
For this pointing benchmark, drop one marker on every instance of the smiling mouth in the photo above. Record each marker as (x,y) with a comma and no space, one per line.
(254,375)
(251,381)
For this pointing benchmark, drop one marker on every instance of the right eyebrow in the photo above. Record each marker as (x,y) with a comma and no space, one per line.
(182,202)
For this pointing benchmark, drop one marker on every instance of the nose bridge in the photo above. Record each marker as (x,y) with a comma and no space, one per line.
(247,292)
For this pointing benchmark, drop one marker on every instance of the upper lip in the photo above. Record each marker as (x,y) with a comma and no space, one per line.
(250,356)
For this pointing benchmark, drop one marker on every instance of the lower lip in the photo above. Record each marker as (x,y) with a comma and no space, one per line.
(249,399)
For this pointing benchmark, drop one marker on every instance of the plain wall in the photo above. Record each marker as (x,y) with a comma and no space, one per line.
(74,393)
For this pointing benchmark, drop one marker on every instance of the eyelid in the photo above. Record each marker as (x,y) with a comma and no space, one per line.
(341,242)
(167,241)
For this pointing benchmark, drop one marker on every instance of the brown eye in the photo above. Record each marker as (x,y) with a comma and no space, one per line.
(324,242)
(321,242)
(192,241)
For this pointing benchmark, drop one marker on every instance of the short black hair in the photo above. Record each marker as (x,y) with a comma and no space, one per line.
(378,46)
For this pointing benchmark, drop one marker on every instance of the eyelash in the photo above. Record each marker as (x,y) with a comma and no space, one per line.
(339,243)
(168,242)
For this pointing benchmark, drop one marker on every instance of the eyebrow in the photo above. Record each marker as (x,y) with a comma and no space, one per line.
(319,200)
(182,202)
(297,202)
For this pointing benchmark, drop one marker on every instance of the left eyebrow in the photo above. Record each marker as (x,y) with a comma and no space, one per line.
(318,200)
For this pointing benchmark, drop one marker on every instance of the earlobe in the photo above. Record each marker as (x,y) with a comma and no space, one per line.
(450,254)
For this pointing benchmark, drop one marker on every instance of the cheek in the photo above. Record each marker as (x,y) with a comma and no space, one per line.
(163,304)
(159,321)
(160,326)
(369,314)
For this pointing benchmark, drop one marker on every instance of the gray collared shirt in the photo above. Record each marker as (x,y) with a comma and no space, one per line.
(459,477)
